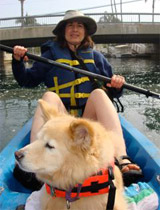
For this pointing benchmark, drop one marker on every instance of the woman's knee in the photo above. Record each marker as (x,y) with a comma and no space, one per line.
(98,94)
(51,97)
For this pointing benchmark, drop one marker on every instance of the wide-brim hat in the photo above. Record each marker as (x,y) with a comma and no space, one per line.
(72,15)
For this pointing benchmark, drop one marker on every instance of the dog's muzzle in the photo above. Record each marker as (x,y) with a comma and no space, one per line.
(18,155)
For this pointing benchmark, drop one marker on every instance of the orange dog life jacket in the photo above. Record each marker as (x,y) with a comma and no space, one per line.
(100,183)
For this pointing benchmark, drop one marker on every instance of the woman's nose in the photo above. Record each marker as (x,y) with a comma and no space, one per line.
(74,28)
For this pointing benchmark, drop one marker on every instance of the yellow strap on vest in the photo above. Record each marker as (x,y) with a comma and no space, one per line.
(72,95)
(56,85)
(67,61)
(73,100)
(78,81)
(88,61)
(73,62)
(82,95)
(74,112)
(77,95)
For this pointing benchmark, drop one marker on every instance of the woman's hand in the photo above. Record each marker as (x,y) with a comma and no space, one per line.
(117,81)
(19,52)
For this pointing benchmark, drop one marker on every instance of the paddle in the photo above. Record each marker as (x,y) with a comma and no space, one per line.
(87,73)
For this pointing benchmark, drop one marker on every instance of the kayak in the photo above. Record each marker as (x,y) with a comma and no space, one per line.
(139,148)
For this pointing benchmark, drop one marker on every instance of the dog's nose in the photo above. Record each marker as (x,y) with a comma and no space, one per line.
(18,155)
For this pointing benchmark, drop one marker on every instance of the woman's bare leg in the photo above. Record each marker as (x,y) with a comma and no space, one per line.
(99,107)
(52,99)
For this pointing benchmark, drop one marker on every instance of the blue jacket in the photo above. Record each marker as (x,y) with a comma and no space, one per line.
(73,88)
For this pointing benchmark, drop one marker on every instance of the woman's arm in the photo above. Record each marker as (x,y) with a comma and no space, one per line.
(29,77)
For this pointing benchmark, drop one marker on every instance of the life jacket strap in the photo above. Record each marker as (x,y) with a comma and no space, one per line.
(72,95)
(112,190)
(73,62)
(68,84)
(95,185)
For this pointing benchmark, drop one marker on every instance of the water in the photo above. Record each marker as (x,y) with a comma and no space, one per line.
(17,105)
(142,112)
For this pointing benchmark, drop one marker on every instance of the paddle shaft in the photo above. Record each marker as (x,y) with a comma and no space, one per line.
(87,73)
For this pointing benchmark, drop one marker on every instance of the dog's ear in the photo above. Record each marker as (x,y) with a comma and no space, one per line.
(47,111)
(82,134)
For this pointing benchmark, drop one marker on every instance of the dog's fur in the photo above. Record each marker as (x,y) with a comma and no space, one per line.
(67,151)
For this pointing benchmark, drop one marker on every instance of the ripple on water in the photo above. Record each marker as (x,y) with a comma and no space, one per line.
(17,105)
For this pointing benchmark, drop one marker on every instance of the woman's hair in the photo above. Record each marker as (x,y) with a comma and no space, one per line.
(87,41)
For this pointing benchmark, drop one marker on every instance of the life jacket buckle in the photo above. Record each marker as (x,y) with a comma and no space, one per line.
(110,172)
(68,194)
(68,204)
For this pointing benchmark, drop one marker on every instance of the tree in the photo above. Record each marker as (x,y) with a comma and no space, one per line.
(109,18)
(27,21)
(115,7)
(112,6)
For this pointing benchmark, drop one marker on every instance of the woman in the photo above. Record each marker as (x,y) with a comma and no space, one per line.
(72,91)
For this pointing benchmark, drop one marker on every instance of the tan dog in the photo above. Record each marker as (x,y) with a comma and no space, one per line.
(67,151)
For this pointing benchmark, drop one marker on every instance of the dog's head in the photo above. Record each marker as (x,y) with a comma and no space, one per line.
(67,149)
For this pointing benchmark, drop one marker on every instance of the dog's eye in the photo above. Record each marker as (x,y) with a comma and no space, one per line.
(49,146)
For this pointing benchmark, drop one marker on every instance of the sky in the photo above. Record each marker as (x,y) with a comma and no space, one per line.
(12,8)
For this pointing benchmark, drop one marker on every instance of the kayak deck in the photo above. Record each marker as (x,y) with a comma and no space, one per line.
(139,148)
(143,152)
(12,193)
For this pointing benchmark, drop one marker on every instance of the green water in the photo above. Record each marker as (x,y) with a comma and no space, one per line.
(17,105)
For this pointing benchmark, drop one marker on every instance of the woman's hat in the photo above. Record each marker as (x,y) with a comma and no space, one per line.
(71,15)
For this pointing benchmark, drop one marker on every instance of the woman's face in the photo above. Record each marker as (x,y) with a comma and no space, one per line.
(74,33)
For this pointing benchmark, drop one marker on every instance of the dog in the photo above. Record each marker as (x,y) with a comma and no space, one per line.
(68,151)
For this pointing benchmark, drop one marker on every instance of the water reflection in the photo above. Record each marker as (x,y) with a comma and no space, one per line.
(143,112)
(153,116)
(17,105)
(143,73)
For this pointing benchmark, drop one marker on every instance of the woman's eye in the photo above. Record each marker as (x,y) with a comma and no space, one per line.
(49,146)
(69,24)
(80,25)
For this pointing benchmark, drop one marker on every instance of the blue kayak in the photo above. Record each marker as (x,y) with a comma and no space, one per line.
(139,148)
